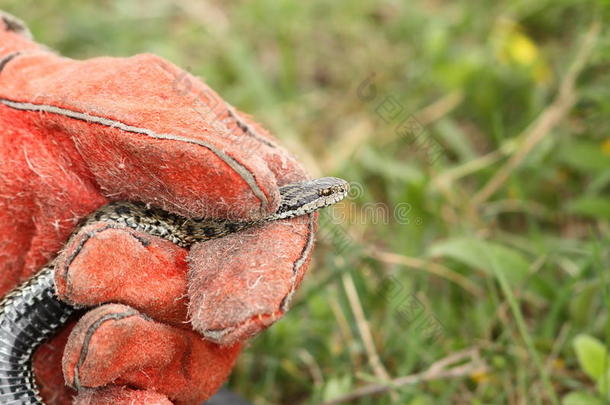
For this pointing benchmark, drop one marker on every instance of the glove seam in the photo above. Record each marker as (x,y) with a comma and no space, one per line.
(5,60)
(298,264)
(231,111)
(81,244)
(244,173)
(89,334)
(247,129)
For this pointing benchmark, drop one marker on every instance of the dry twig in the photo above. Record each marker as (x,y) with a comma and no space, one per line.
(439,108)
(364,329)
(428,266)
(546,121)
(439,370)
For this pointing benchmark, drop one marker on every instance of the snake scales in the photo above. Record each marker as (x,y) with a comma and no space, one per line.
(32,313)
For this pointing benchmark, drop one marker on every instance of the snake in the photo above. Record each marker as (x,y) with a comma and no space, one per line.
(32,313)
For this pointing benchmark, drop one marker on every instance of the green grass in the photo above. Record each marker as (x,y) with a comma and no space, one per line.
(516,274)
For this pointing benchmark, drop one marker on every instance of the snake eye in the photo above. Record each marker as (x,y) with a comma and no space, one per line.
(325,192)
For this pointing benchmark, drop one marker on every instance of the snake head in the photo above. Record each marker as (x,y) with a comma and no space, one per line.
(311,195)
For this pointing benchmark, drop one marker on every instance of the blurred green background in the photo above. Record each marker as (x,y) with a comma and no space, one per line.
(470,265)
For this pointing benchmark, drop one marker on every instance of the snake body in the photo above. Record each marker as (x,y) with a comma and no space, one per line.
(32,313)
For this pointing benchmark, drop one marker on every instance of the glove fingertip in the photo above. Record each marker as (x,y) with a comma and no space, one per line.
(115,344)
(115,395)
(243,283)
(14,24)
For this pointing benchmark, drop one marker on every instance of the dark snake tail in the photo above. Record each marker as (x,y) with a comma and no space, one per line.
(32,313)
(28,316)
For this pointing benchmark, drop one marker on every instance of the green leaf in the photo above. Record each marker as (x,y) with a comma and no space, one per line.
(581,398)
(592,355)
(598,182)
(603,383)
(421,399)
(336,387)
(585,156)
(582,300)
(389,168)
(595,207)
(456,138)
(481,254)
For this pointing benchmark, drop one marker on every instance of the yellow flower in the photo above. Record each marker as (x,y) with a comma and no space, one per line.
(513,46)
(559,364)
(521,49)
(605,146)
(480,377)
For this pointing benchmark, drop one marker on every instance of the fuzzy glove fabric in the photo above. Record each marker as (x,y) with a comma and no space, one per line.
(166,324)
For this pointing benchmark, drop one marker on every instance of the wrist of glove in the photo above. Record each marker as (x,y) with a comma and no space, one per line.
(165,324)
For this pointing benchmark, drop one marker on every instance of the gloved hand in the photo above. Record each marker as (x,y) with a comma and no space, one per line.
(167,323)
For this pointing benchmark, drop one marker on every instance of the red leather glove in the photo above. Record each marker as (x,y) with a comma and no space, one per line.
(167,323)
